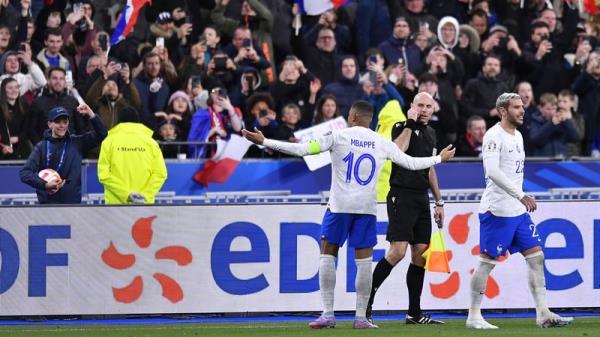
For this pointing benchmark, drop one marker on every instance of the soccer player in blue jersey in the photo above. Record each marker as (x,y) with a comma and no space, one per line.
(357,157)
(504,221)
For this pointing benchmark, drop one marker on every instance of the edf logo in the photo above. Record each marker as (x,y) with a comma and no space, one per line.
(39,258)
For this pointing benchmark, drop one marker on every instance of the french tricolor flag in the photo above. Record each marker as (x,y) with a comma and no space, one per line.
(128,19)
(221,166)
(317,7)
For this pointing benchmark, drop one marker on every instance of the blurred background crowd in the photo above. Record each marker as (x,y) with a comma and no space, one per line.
(201,70)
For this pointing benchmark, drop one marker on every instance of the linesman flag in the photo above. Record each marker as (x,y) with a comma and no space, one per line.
(436,254)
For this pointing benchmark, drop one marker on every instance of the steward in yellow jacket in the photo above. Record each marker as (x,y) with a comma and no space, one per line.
(131,166)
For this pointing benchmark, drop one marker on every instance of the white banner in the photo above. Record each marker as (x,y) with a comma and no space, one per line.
(317,161)
(263,258)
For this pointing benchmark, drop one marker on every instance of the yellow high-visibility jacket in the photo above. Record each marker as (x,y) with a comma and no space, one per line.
(130,161)
(388,116)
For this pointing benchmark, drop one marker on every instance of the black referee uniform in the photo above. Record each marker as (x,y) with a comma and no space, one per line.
(408,200)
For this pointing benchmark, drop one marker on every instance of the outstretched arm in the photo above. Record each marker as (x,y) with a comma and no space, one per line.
(314,146)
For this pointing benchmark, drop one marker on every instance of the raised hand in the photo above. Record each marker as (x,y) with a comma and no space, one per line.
(255,137)
(447,153)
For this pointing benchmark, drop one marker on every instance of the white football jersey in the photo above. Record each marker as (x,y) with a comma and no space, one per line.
(357,157)
(503,165)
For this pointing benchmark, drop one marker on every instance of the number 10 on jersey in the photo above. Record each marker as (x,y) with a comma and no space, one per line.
(353,168)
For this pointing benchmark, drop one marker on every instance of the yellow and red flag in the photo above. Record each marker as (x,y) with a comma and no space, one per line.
(436,254)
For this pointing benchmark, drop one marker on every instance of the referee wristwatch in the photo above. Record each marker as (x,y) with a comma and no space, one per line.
(439,203)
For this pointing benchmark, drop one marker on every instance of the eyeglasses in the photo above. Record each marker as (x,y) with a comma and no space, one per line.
(326,37)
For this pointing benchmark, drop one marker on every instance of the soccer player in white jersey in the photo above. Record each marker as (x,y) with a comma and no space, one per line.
(504,221)
(357,157)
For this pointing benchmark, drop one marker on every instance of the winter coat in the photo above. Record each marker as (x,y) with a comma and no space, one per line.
(130,161)
(75,147)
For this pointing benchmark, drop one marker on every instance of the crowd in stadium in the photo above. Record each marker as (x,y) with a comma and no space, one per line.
(198,71)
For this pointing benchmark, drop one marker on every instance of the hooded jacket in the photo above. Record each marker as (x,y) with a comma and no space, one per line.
(130,161)
(445,20)
(75,147)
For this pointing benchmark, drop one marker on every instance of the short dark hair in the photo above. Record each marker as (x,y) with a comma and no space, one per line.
(362,109)
(260,97)
(538,24)
(568,93)
(478,12)
(52,31)
(52,69)
(129,115)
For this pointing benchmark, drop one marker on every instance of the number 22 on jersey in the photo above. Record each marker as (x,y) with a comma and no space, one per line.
(353,168)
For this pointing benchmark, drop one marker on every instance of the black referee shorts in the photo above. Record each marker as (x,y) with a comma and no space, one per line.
(409,217)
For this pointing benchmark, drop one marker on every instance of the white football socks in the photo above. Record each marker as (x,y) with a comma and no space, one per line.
(478,283)
(327,283)
(363,283)
(537,283)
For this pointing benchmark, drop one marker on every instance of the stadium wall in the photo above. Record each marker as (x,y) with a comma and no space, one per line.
(293,175)
(257,258)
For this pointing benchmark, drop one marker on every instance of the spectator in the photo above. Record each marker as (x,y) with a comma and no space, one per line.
(194,64)
(587,88)
(526,92)
(467,51)
(131,166)
(5,38)
(549,131)
(404,82)
(219,120)
(256,18)
(290,119)
(500,43)
(343,36)
(8,16)
(196,92)
(544,65)
(50,56)
(90,70)
(469,145)
(566,109)
(244,52)
(346,89)
(443,119)
(152,87)
(12,65)
(292,85)
(249,82)
(417,17)
(327,109)
(478,19)
(173,37)
(55,94)
(321,58)
(377,89)
(212,38)
(399,47)
(79,31)
(260,114)
(448,32)
(166,133)
(112,93)
(61,151)
(479,95)
(15,130)
(449,72)
(179,112)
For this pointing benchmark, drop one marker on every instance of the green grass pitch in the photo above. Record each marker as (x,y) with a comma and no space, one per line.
(522,327)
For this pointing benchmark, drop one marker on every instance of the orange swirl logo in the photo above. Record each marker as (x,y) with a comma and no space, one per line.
(142,234)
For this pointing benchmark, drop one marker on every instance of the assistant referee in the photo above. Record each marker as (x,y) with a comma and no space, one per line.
(408,207)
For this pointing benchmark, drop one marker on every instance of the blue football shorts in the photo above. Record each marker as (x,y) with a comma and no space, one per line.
(498,234)
(359,229)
